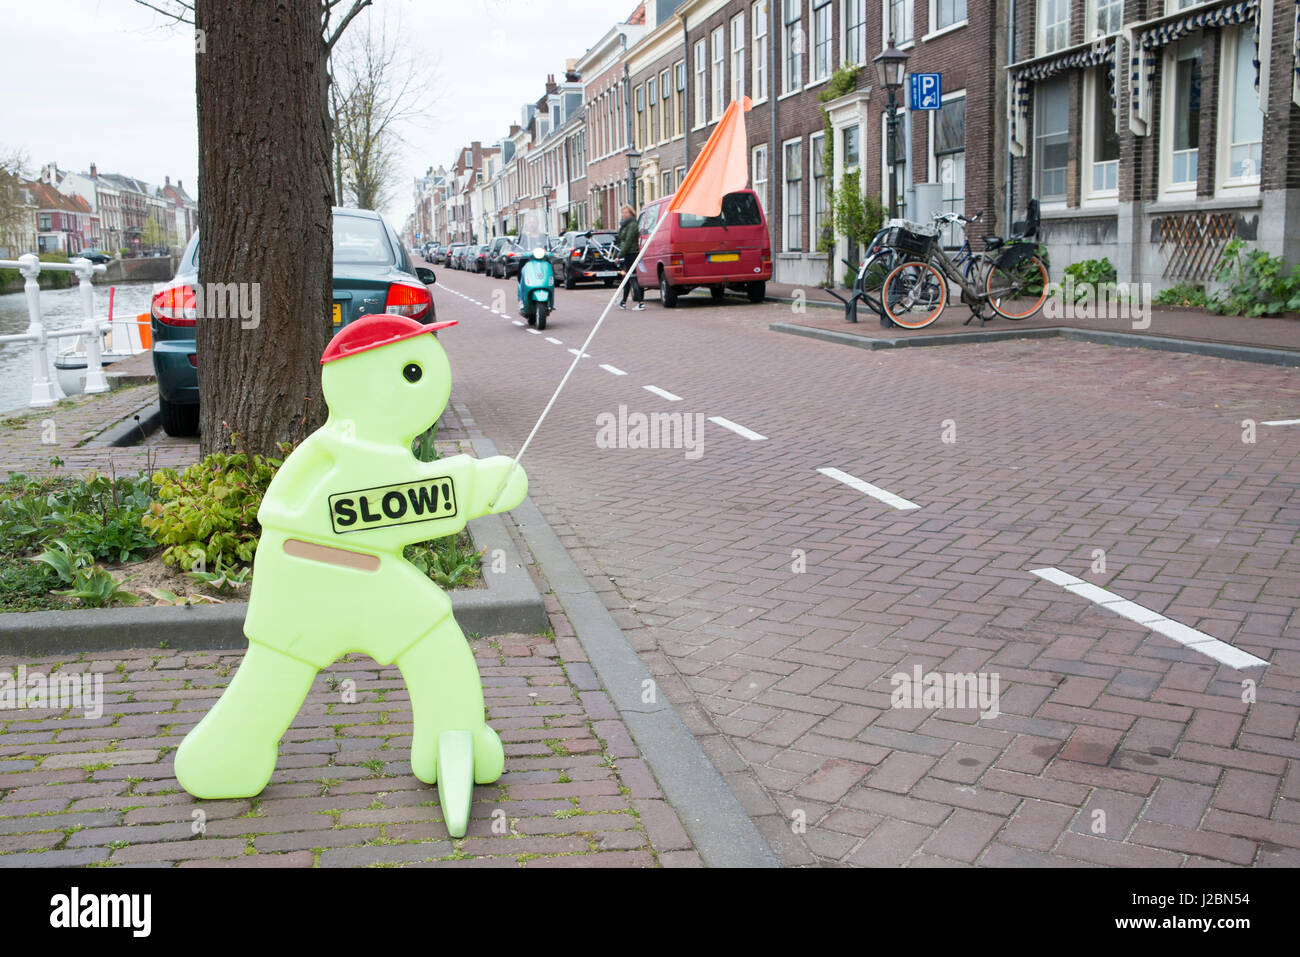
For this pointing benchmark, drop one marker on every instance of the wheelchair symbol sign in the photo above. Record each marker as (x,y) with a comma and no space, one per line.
(927,91)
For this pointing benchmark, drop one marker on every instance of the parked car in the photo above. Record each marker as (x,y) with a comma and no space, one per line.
(372,274)
(732,250)
(480,258)
(588,256)
(509,257)
(453,255)
(438,254)
(94,255)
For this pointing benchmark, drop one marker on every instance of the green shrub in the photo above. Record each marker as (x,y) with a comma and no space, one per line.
(1090,273)
(1182,294)
(1256,283)
(90,584)
(206,515)
(98,515)
(55,279)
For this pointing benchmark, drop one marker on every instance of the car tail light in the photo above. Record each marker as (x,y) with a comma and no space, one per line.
(194,360)
(576,254)
(407,300)
(767,256)
(676,261)
(175,306)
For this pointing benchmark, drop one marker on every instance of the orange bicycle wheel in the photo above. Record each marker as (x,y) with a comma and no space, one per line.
(1019,291)
(914,294)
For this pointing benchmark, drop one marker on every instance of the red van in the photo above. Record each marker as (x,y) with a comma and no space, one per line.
(730,250)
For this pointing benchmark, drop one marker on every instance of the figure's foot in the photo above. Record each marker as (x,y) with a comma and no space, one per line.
(211,763)
(456,789)
(489,756)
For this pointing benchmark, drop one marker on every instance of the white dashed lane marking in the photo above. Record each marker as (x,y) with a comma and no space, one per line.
(585,355)
(612,370)
(738,429)
(662,394)
(554,341)
(1282,422)
(875,491)
(1198,641)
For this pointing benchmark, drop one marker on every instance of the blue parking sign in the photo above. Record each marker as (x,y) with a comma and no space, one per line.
(927,91)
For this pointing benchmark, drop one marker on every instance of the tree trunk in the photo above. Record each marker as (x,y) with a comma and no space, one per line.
(264,219)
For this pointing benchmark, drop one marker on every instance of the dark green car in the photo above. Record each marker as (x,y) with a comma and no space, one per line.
(372,274)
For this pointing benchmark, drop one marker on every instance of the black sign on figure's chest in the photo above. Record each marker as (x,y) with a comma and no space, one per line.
(383,506)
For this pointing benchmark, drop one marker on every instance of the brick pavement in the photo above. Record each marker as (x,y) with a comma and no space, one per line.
(1062,448)
(101,792)
(29,438)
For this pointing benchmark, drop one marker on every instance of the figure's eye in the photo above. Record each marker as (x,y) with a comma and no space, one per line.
(412,372)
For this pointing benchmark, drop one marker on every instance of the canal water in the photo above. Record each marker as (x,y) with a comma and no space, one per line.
(60,309)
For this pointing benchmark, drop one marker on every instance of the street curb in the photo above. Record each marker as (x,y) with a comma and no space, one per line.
(127,430)
(723,834)
(1219,350)
(510,604)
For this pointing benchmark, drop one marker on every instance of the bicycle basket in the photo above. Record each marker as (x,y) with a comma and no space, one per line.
(1014,255)
(911,238)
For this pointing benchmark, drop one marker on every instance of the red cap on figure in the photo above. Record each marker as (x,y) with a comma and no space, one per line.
(371,332)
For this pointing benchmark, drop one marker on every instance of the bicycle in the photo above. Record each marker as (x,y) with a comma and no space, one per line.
(876,265)
(1008,278)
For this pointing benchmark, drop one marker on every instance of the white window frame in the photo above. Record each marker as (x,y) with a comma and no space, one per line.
(785,195)
(822,14)
(1229,38)
(759,50)
(1045,31)
(701,86)
(1174,6)
(905,38)
(844,152)
(1167,188)
(1055,203)
(1091,29)
(1094,85)
(760,185)
(952,231)
(819,184)
(717,73)
(938,31)
(667,118)
(856,56)
(737,55)
(792,36)
(652,110)
(679,98)
(901,118)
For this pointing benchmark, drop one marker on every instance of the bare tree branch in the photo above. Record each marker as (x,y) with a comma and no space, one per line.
(357,7)
(177,14)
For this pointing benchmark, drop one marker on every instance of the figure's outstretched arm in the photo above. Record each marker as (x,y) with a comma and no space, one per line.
(487,476)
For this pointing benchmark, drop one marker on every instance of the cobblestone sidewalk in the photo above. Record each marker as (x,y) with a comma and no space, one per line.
(100,791)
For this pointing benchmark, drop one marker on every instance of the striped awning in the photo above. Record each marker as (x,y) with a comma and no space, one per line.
(1022,82)
(1147,44)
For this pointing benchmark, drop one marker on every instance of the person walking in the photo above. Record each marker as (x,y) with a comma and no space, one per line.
(629,242)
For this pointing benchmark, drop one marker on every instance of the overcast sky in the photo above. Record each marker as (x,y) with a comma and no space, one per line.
(109,82)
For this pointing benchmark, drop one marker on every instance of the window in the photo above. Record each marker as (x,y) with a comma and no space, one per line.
(44,221)
(651,95)
(855,31)
(949,13)
(1053,25)
(758,14)
(1101,141)
(894,161)
(852,151)
(793,197)
(680,176)
(737,209)
(701,87)
(1107,17)
(680,95)
(948,133)
(1242,122)
(1052,139)
(666,111)
(792,40)
(1182,126)
(738,57)
(667,183)
(821,40)
(820,198)
(640,117)
(758,172)
(716,42)
(897,22)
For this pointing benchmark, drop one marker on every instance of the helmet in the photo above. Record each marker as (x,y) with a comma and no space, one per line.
(539,253)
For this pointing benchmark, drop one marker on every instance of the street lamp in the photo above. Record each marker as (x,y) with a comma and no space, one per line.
(891,66)
(546,210)
(633,167)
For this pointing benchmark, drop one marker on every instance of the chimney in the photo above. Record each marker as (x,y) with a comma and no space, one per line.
(167,180)
(93,173)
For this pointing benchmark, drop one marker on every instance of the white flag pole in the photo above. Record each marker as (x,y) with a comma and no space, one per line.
(576,359)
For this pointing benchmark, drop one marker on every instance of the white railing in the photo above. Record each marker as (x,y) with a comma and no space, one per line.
(45,384)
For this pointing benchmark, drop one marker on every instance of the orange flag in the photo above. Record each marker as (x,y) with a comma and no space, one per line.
(722,166)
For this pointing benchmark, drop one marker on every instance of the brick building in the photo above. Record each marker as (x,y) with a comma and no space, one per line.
(659,111)
(606,98)
(1149,135)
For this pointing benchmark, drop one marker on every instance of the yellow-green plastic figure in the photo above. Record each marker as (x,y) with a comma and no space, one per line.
(329,577)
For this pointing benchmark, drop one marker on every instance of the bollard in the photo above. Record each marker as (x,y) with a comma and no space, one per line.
(95,380)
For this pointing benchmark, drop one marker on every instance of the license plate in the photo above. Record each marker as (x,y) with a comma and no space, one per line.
(606,274)
(338,314)
(724,257)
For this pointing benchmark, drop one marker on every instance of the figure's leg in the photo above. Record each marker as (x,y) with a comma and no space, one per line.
(232,751)
(446,695)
